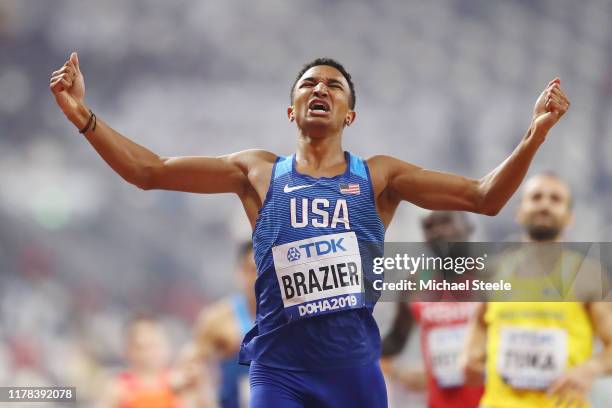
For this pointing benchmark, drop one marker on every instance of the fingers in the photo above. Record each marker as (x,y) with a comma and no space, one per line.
(60,83)
(60,80)
(559,92)
(570,400)
(567,393)
(71,65)
(66,69)
(555,100)
(556,80)
(74,60)
(557,386)
(64,77)
(557,106)
(554,103)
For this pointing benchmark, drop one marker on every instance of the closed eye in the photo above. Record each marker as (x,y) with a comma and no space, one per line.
(335,84)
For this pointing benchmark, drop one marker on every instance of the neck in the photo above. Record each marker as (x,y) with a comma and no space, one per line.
(320,152)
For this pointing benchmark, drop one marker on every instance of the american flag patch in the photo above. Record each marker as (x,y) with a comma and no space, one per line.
(349,189)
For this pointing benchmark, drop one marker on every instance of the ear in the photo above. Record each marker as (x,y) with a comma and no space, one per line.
(350,118)
(290,113)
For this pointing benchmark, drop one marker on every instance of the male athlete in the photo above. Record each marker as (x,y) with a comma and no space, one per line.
(220,330)
(443,325)
(146,383)
(319,218)
(539,353)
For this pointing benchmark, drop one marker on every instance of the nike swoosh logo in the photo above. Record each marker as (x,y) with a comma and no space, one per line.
(288,189)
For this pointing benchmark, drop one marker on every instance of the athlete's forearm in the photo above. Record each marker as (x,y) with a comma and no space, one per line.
(473,356)
(601,317)
(601,364)
(499,185)
(130,160)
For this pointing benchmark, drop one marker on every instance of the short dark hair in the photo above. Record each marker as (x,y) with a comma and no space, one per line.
(332,63)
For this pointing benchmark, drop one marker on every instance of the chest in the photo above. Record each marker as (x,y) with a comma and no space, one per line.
(320,204)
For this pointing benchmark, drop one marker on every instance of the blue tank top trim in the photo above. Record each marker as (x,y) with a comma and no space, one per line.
(283,166)
(358,167)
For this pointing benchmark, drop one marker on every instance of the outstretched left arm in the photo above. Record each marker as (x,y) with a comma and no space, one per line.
(444,191)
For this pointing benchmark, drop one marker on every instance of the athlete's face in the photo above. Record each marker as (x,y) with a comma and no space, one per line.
(321,99)
(147,346)
(446,226)
(442,227)
(545,208)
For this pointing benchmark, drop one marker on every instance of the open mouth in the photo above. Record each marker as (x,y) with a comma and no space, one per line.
(318,107)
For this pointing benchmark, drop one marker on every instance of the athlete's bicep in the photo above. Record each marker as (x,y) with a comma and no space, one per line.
(430,189)
(200,174)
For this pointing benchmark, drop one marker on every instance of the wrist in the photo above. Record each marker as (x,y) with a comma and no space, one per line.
(594,367)
(79,116)
(537,133)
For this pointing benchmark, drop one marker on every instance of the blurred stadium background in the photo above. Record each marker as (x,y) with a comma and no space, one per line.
(448,85)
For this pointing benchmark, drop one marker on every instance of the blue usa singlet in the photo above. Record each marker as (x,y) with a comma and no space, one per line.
(313,243)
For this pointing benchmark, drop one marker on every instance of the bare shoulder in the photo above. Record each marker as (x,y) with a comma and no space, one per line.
(378,161)
(384,163)
(252,157)
(378,166)
(384,168)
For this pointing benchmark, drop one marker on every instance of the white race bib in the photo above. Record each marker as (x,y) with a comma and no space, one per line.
(444,345)
(319,275)
(531,358)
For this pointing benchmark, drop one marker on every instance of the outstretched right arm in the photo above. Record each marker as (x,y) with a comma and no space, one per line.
(143,168)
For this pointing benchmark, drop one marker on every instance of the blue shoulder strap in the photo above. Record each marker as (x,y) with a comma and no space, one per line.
(358,167)
(283,166)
